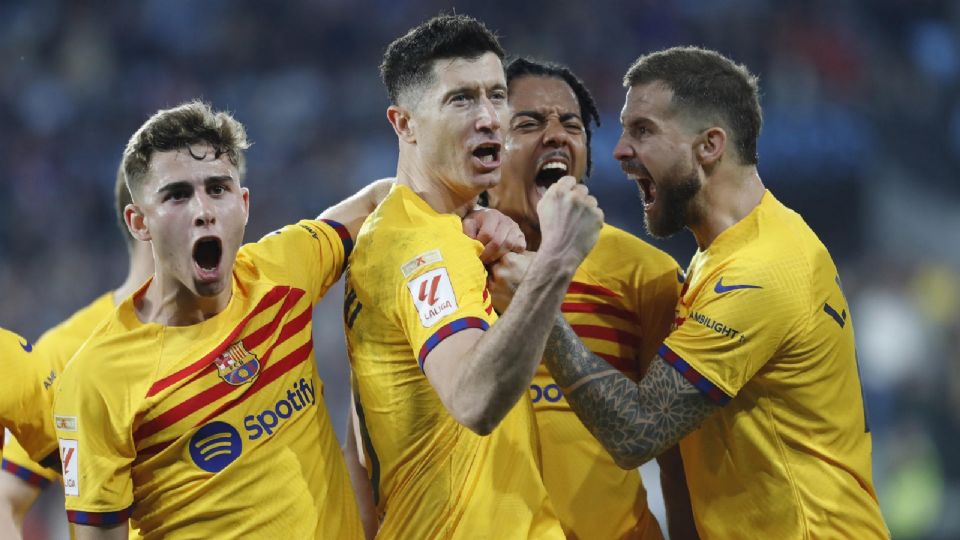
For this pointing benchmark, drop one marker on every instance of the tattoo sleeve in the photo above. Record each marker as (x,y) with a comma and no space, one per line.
(635,422)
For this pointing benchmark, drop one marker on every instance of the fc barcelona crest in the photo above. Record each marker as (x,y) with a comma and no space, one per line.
(237,365)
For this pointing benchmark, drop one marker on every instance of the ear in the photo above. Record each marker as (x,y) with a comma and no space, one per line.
(136,223)
(403,123)
(711,145)
(245,193)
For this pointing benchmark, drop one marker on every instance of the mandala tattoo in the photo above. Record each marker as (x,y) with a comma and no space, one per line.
(635,422)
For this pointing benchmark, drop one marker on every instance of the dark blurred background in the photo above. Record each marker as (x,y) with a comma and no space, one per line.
(861,135)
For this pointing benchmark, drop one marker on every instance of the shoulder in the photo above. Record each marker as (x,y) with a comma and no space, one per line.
(618,251)
(67,336)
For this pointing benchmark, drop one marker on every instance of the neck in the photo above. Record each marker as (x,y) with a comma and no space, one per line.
(169,303)
(436,192)
(726,198)
(140,268)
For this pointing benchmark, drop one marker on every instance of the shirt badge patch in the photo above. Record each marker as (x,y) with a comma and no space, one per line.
(65,423)
(237,365)
(433,296)
(70,460)
(419,261)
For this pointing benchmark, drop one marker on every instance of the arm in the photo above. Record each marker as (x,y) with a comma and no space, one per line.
(352,211)
(16,497)
(676,497)
(359,479)
(479,376)
(635,422)
(113,532)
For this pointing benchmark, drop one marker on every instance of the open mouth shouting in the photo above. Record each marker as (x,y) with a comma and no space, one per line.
(552,167)
(486,156)
(648,188)
(207,253)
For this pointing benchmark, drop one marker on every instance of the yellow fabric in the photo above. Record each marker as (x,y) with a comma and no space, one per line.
(24,401)
(789,455)
(218,428)
(59,344)
(432,477)
(621,305)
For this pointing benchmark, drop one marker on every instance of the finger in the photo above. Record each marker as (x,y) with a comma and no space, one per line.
(518,243)
(471,224)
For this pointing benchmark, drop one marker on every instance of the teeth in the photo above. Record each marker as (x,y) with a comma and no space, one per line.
(555,165)
(487,158)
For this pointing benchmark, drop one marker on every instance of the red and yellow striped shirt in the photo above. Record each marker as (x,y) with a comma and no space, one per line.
(216,427)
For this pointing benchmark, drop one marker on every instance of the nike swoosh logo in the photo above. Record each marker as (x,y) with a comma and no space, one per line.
(26,346)
(720,288)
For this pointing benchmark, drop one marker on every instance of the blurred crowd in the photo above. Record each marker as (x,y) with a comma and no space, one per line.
(861,135)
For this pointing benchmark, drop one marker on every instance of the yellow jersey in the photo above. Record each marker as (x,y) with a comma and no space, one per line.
(414,280)
(763,329)
(219,428)
(620,304)
(24,404)
(58,344)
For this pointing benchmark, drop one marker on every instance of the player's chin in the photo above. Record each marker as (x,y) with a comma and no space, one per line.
(210,287)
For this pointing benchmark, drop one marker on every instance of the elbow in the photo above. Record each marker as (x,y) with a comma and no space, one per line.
(481,424)
(477,417)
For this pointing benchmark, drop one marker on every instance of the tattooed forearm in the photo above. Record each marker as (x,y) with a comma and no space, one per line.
(634,422)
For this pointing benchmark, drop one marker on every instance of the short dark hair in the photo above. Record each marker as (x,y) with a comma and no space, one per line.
(526,67)
(182,126)
(408,60)
(706,83)
(122,198)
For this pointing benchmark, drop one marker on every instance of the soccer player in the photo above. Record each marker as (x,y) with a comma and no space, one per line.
(24,409)
(758,381)
(620,304)
(441,391)
(20,488)
(195,408)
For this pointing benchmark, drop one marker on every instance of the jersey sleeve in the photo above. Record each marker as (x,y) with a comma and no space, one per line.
(93,415)
(659,289)
(310,254)
(25,399)
(17,462)
(732,328)
(441,290)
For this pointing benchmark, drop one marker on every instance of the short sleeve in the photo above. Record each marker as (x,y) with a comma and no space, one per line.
(658,292)
(25,400)
(441,290)
(17,462)
(93,420)
(730,331)
(310,254)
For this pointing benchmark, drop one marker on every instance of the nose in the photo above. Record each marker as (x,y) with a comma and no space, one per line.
(555,135)
(488,118)
(204,214)
(623,151)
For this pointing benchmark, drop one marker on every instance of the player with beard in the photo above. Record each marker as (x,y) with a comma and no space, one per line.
(620,304)
(447,427)
(20,488)
(758,381)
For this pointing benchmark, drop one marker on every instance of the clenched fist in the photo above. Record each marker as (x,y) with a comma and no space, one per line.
(570,222)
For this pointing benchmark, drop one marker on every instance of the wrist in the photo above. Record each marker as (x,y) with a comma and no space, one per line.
(555,266)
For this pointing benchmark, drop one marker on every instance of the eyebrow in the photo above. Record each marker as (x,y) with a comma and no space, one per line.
(185,184)
(470,89)
(539,116)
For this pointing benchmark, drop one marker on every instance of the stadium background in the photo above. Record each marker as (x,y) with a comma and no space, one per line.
(861,135)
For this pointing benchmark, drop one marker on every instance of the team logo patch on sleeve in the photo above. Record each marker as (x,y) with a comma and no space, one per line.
(70,459)
(419,261)
(433,296)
